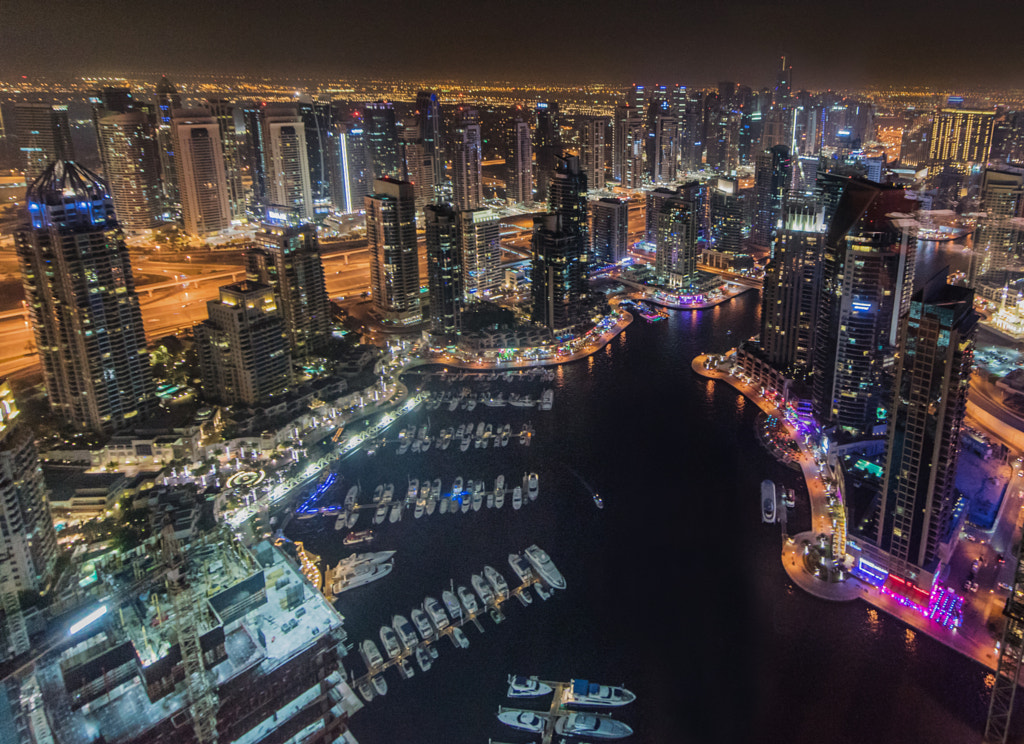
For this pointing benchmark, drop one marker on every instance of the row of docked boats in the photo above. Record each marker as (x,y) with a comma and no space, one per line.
(578,693)
(468,401)
(771,495)
(544,374)
(480,436)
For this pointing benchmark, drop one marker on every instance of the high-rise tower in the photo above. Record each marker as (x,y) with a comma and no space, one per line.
(167,100)
(479,235)
(224,112)
(132,163)
(350,166)
(609,230)
(202,177)
(382,139)
(444,270)
(677,239)
(44,135)
(592,142)
(394,258)
(996,242)
(771,182)
(286,160)
(547,145)
(519,163)
(81,296)
(428,111)
(467,165)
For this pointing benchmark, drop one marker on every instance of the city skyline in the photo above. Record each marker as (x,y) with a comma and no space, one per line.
(733,41)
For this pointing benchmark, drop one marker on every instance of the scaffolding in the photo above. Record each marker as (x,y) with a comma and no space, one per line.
(1011,652)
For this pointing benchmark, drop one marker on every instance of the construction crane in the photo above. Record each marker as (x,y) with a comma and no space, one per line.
(1011,653)
(200,692)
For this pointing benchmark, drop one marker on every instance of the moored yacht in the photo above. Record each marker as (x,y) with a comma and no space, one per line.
(390,640)
(497,582)
(405,631)
(357,538)
(481,587)
(520,566)
(419,618)
(545,567)
(468,600)
(370,653)
(586,693)
(767,501)
(519,686)
(435,611)
(357,570)
(517,498)
(589,725)
(396,512)
(452,604)
(524,720)
(532,486)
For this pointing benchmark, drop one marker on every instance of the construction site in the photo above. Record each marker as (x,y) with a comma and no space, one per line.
(213,641)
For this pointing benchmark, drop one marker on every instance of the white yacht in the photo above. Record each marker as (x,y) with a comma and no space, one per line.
(381,514)
(357,570)
(591,726)
(366,690)
(519,686)
(452,603)
(524,720)
(435,489)
(341,521)
(405,631)
(547,398)
(767,501)
(591,694)
(499,483)
(443,506)
(459,639)
(423,659)
(520,566)
(419,618)
(353,517)
(499,498)
(497,582)
(390,640)
(531,486)
(468,600)
(457,486)
(506,431)
(371,654)
(378,493)
(436,613)
(389,491)
(545,568)
(414,489)
(478,497)
(380,685)
(350,498)
(466,500)
(481,587)
(517,498)
(396,512)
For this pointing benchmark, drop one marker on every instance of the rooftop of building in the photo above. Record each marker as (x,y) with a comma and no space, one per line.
(63,179)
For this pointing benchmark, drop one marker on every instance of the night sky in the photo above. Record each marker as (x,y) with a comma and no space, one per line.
(831,43)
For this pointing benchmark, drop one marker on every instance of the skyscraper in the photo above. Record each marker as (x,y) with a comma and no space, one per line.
(428,111)
(202,177)
(560,245)
(961,136)
(394,260)
(444,270)
(771,181)
(467,163)
(677,240)
(132,166)
(867,279)
(316,121)
(726,215)
(592,146)
(44,135)
(664,138)
(243,346)
(609,230)
(382,139)
(628,161)
(547,145)
(519,163)
(167,100)
(792,283)
(287,258)
(654,200)
(286,160)
(253,155)
(419,169)
(783,83)
(81,297)
(479,236)
(224,112)
(997,240)
(933,375)
(350,166)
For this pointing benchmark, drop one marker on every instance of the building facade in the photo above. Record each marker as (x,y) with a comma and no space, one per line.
(394,258)
(202,175)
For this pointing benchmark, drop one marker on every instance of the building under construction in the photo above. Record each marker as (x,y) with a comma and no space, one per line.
(221,643)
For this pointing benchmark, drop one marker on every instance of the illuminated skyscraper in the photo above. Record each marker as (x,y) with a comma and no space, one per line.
(592,142)
(419,168)
(167,100)
(677,239)
(628,161)
(726,219)
(933,375)
(202,177)
(771,182)
(428,111)
(519,163)
(547,145)
(132,165)
(253,156)
(44,135)
(287,258)
(467,162)
(479,237)
(867,279)
(609,230)
(243,346)
(792,284)
(961,136)
(382,139)
(997,241)
(444,270)
(316,121)
(783,83)
(664,137)
(394,259)
(224,112)
(286,160)
(81,296)
(350,166)
(654,200)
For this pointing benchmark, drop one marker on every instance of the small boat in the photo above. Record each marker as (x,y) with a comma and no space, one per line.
(532,486)
(542,592)
(358,538)
(789,498)
(482,588)
(547,398)
(478,498)
(396,512)
(464,444)
(426,444)
(444,506)
(506,431)
(418,511)
(432,650)
(435,612)
(350,498)
(524,720)
(423,660)
(435,489)
(371,654)
(366,690)
(497,582)
(459,638)
(471,404)
(490,500)
(480,430)
(767,502)
(468,600)
(525,598)
(586,693)
(520,566)
(598,501)
(499,498)
(452,604)
(526,687)
(405,631)
(419,618)
(389,491)
(380,685)
(591,726)
(499,483)
(390,641)
(460,431)
(466,500)
(417,445)
(341,521)
(381,514)
(405,669)
(403,446)
(378,493)
(414,489)
(430,505)
(457,486)
(517,498)
(544,567)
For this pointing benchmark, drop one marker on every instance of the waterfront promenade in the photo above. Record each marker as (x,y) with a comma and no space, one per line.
(973,639)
